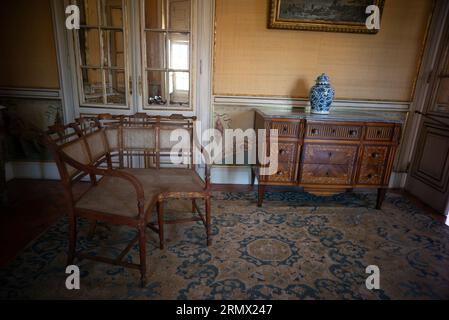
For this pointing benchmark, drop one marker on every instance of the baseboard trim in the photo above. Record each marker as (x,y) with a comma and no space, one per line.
(242,175)
(9,172)
(32,170)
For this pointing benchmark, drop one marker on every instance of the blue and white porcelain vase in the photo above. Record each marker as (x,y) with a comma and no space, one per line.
(321,95)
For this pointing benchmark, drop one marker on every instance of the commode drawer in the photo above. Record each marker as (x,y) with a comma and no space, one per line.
(286,129)
(329,154)
(332,131)
(379,133)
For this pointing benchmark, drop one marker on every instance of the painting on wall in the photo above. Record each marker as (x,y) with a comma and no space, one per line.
(323,15)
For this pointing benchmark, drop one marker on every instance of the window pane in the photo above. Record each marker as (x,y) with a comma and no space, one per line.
(156,87)
(156,50)
(113,47)
(88,12)
(155,14)
(90,47)
(179,51)
(179,88)
(179,18)
(115,87)
(112,15)
(92,86)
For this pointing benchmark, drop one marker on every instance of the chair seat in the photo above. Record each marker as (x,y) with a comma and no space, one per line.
(118,197)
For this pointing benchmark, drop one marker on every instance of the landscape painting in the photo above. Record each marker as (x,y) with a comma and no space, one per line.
(322,15)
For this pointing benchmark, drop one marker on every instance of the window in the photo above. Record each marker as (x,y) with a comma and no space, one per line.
(145,45)
(166,47)
(101,58)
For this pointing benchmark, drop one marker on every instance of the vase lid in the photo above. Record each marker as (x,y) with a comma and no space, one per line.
(323,79)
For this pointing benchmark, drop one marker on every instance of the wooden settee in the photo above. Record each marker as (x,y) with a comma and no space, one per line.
(127,159)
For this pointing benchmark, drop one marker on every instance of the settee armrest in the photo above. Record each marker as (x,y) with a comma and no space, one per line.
(95,171)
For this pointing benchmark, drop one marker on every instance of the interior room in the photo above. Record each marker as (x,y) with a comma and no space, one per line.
(224,150)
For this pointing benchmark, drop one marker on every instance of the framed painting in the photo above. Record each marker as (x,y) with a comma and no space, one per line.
(322,15)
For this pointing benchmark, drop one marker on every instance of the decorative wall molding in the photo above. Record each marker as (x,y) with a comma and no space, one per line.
(362,105)
(51,94)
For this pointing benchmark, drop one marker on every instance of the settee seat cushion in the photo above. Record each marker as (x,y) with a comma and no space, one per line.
(118,197)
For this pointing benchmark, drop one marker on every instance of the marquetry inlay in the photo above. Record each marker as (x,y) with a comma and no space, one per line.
(286,129)
(379,133)
(329,154)
(333,131)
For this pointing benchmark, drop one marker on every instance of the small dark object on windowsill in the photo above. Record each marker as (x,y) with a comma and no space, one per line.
(157,100)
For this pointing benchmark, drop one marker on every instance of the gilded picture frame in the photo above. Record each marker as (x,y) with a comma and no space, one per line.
(322,15)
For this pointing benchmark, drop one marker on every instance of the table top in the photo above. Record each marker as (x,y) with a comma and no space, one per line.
(358,116)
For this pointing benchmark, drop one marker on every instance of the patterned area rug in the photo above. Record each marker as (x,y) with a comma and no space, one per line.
(296,247)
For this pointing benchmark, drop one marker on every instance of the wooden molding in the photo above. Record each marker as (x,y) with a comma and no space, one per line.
(33,93)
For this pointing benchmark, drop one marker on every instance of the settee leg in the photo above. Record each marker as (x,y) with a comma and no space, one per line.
(208,222)
(261,195)
(380,198)
(72,239)
(193,206)
(143,256)
(253,177)
(160,220)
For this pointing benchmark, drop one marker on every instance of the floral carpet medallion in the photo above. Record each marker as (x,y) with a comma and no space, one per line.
(296,246)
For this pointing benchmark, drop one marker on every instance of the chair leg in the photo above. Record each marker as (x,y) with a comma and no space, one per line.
(253,177)
(193,206)
(261,195)
(72,239)
(380,198)
(208,222)
(143,255)
(160,220)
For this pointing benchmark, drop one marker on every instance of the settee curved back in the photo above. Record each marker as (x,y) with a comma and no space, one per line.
(136,141)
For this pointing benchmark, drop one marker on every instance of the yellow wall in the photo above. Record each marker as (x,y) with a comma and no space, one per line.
(27,50)
(251,59)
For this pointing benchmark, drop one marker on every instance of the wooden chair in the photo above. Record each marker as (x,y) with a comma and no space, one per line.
(130,156)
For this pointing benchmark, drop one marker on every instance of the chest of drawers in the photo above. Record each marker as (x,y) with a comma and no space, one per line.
(330,154)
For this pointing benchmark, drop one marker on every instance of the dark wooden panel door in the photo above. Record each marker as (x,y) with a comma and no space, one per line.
(428,178)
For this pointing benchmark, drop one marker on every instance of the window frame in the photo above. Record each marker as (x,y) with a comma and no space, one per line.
(143,78)
(78,66)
